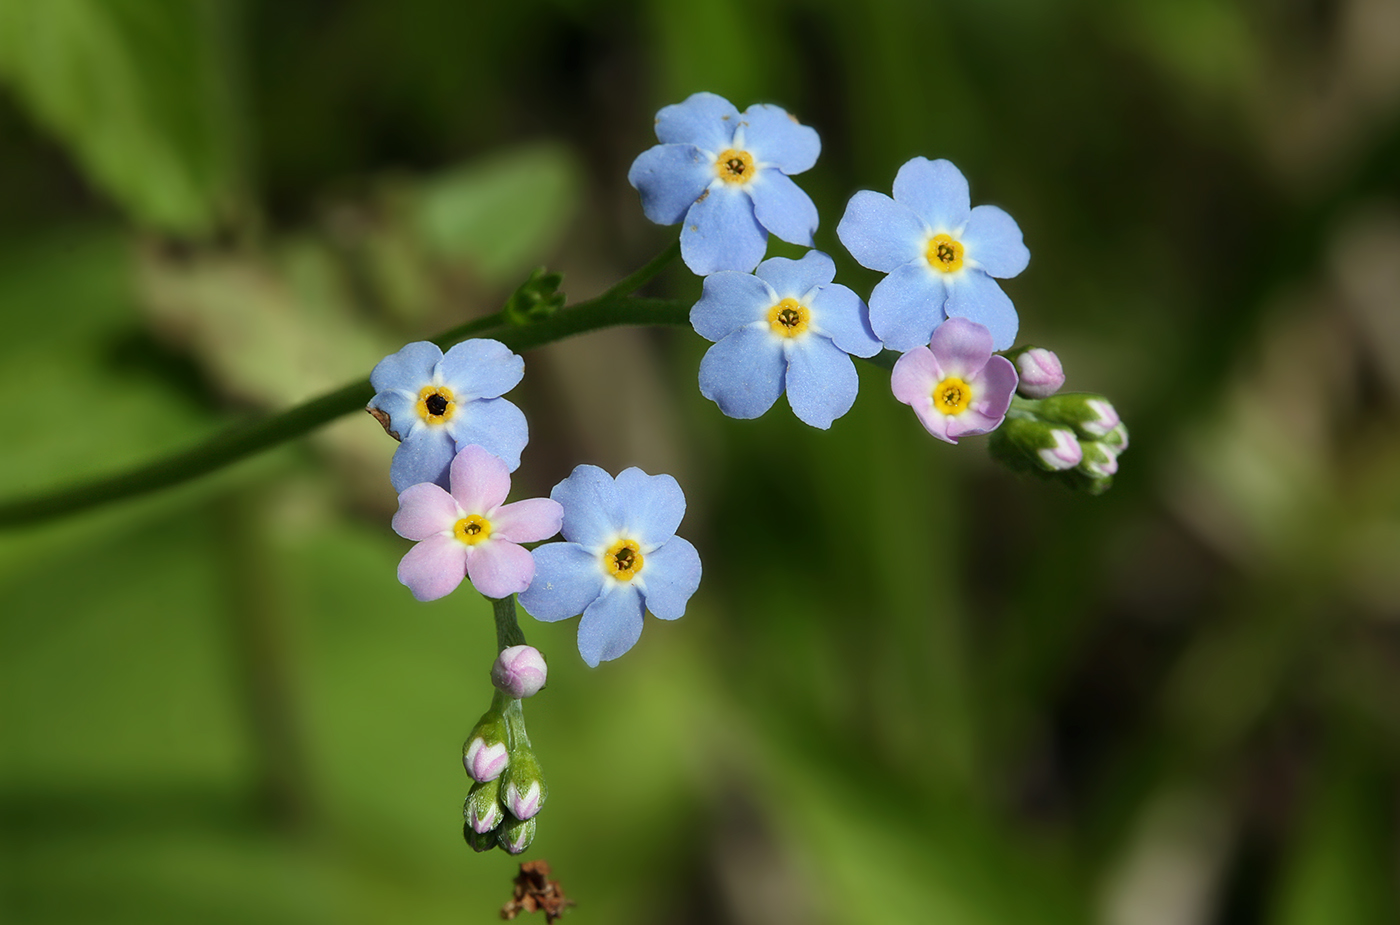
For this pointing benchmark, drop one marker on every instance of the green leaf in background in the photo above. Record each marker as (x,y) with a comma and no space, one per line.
(497,213)
(139,94)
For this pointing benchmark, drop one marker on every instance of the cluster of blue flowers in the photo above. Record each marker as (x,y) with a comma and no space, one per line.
(459,440)
(779,326)
(786,327)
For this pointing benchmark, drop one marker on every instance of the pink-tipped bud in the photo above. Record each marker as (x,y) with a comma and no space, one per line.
(519,672)
(516,836)
(1064,453)
(524,805)
(1099,461)
(483,807)
(485,762)
(1041,373)
(1104,418)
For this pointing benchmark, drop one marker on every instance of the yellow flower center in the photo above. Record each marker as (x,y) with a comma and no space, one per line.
(951,396)
(944,253)
(734,166)
(788,318)
(435,404)
(472,529)
(623,559)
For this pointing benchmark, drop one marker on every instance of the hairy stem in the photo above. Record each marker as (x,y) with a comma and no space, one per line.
(508,632)
(612,308)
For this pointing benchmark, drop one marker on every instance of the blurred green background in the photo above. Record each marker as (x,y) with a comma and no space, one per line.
(912,687)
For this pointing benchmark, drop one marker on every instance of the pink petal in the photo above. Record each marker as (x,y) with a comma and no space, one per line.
(434,568)
(914,376)
(479,480)
(424,510)
(528,521)
(993,387)
(499,568)
(962,346)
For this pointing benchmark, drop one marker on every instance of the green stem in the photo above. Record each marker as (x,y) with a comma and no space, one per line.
(508,631)
(612,308)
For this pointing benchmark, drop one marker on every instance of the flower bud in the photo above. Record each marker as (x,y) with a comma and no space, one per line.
(484,755)
(519,672)
(1100,461)
(1042,445)
(515,836)
(480,841)
(1090,415)
(483,806)
(1116,439)
(523,789)
(1040,371)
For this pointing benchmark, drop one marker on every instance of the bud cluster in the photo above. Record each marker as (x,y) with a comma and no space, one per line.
(1075,437)
(510,790)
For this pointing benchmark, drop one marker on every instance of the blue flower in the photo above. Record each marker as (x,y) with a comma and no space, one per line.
(435,404)
(786,328)
(940,255)
(622,556)
(726,176)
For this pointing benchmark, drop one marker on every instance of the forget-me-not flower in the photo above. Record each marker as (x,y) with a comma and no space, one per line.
(726,175)
(435,404)
(955,385)
(471,532)
(622,557)
(787,328)
(939,252)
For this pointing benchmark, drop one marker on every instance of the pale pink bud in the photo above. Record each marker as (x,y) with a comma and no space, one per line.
(485,762)
(524,805)
(516,836)
(519,672)
(1041,373)
(1066,452)
(1104,418)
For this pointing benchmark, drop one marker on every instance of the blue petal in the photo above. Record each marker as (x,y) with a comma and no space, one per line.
(993,239)
(704,120)
(480,368)
(906,306)
(670,576)
(720,232)
(793,279)
(976,296)
(781,207)
(409,369)
(743,373)
(493,424)
(936,191)
(592,506)
(728,301)
(774,137)
(423,456)
(841,315)
(670,178)
(402,408)
(880,233)
(652,506)
(611,625)
(821,381)
(567,579)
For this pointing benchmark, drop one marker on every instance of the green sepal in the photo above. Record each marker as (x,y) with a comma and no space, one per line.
(514,836)
(536,299)
(480,841)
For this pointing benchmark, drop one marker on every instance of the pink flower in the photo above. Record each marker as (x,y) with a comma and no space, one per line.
(955,385)
(469,532)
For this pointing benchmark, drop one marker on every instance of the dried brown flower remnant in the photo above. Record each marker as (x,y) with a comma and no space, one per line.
(534,891)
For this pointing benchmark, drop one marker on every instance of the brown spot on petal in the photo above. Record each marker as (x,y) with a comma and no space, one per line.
(383,420)
(535,892)
(703,195)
